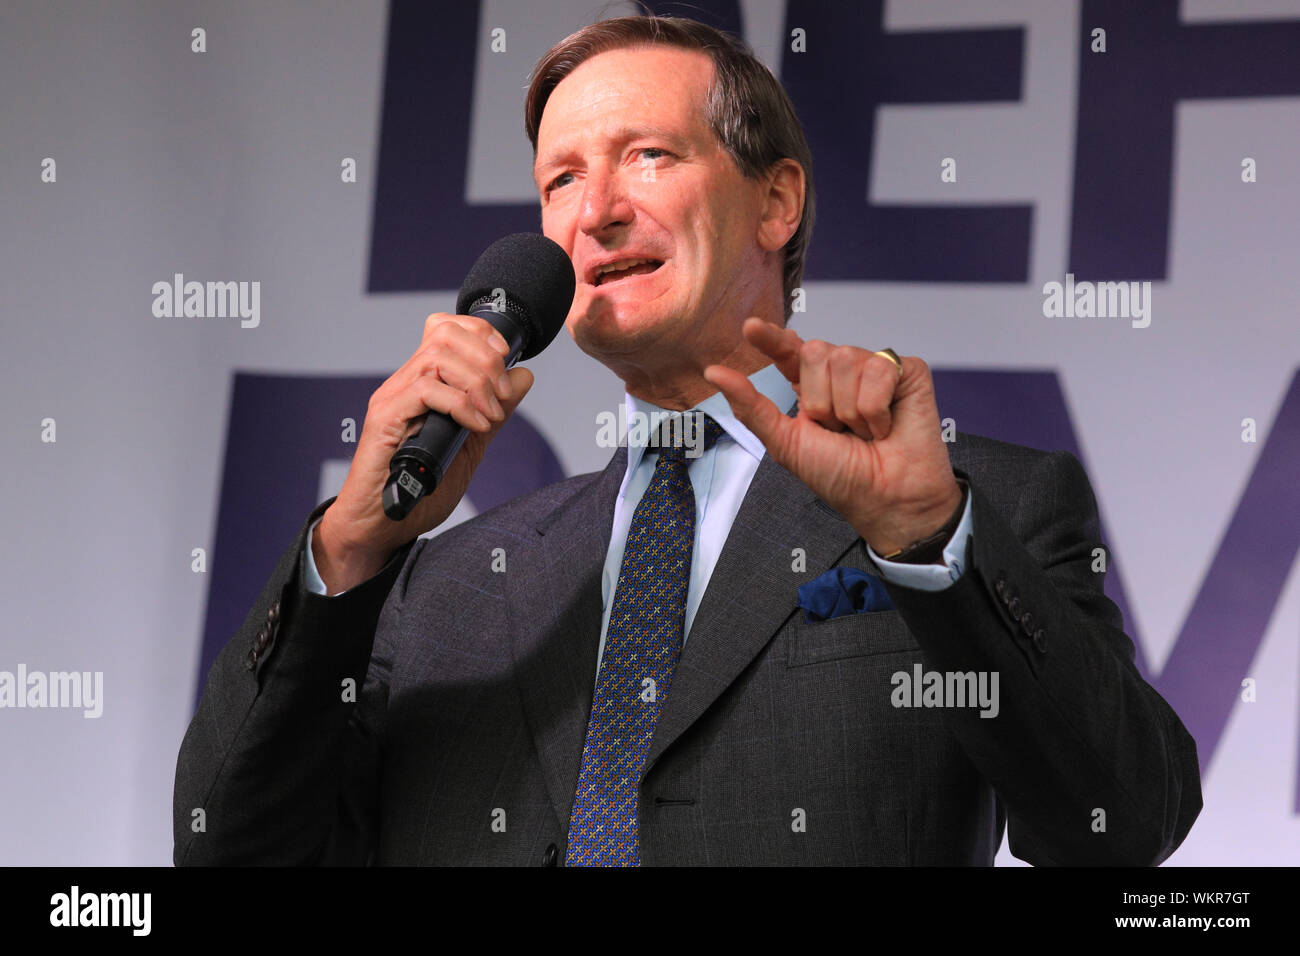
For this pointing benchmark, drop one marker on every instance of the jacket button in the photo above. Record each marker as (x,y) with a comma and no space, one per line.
(273,614)
(263,635)
(1027,622)
(1040,640)
(551,855)
(251,660)
(1000,586)
(1014,607)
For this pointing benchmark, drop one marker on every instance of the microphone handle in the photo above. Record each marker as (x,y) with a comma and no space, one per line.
(420,464)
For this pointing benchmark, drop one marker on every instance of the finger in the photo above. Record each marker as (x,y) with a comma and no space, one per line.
(452,338)
(520,380)
(754,410)
(815,386)
(459,372)
(470,323)
(846,368)
(914,405)
(778,344)
(429,394)
(876,390)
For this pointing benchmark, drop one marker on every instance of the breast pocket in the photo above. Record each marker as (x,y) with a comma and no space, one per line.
(851,635)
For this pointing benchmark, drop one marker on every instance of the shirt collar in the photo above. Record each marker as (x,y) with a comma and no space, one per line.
(769,382)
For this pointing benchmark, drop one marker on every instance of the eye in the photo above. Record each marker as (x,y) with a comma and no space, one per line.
(653,149)
(555,183)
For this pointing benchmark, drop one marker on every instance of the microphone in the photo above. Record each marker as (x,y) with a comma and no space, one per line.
(523,286)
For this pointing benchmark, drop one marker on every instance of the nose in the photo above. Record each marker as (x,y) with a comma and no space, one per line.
(605,202)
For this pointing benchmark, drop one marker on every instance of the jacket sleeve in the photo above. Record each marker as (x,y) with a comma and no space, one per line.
(1090,762)
(280,762)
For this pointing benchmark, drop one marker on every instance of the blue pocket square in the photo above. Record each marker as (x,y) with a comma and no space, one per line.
(842,591)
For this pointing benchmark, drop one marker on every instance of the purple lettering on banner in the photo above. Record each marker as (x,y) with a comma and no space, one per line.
(1124,144)
(425,235)
(852,68)
(1222,635)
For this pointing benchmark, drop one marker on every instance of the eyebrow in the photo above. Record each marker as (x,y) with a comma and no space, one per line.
(621,135)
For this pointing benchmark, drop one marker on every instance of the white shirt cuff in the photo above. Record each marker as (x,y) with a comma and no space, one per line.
(931,577)
(310,576)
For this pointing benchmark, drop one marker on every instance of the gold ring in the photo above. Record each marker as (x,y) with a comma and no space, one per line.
(893,357)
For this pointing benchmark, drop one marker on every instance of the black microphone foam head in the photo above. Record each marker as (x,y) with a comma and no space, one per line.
(537,279)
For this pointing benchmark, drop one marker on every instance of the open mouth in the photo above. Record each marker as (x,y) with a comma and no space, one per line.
(630,270)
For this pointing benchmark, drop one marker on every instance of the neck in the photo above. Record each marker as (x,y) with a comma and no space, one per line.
(682,385)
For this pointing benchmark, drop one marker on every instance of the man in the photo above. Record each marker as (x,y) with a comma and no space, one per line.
(619,669)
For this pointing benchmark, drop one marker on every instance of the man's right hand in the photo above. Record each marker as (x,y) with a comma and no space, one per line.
(458,369)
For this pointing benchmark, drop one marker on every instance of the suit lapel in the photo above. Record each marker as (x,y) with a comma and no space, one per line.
(751,592)
(555,615)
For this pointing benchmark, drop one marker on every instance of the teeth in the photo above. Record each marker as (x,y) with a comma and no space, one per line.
(622,266)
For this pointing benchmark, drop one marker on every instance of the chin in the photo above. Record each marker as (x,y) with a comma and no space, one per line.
(600,326)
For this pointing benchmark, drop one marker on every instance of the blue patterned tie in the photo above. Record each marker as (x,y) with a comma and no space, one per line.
(642,643)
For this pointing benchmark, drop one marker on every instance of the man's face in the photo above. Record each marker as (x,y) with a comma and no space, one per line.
(627,168)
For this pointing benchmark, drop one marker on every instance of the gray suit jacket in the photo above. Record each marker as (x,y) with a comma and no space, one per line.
(777,743)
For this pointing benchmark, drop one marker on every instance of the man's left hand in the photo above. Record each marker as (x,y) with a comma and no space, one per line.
(866,438)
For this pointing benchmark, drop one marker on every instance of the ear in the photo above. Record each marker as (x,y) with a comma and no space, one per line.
(782,204)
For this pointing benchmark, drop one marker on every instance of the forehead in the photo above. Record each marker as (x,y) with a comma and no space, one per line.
(648,87)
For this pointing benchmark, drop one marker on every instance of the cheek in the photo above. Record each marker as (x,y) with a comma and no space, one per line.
(557,225)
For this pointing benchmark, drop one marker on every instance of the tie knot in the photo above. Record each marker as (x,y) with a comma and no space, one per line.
(687,436)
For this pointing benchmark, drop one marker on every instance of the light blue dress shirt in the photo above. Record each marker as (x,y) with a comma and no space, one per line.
(720,478)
